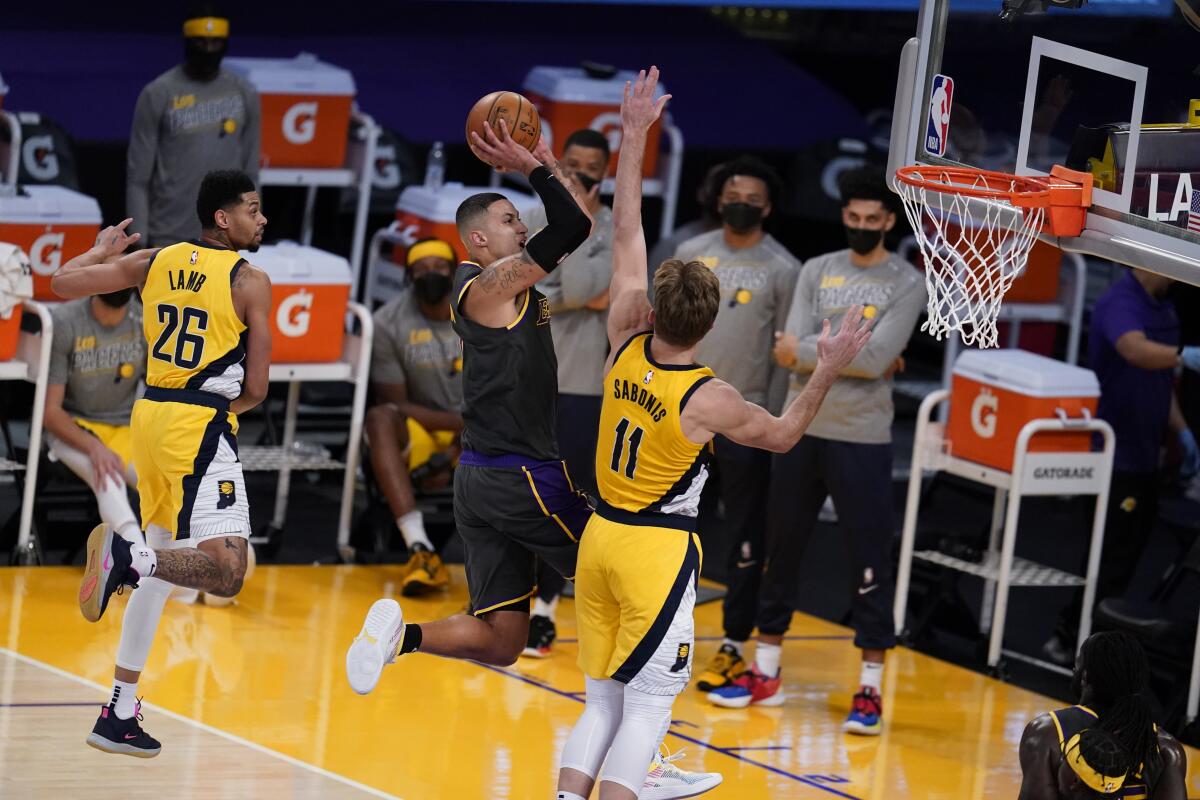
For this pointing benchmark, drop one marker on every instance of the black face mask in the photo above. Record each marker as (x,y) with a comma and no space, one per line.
(862,240)
(201,63)
(117,299)
(742,217)
(431,287)
(586,182)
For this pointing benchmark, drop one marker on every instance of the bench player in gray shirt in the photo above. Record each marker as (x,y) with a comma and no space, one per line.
(578,296)
(97,364)
(416,375)
(757,275)
(847,451)
(192,119)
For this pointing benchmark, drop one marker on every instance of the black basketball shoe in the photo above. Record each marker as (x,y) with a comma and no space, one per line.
(541,636)
(106,571)
(123,736)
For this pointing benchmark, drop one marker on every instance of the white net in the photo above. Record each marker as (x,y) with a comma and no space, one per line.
(973,248)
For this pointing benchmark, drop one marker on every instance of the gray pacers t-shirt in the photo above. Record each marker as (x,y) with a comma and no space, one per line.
(424,354)
(859,406)
(100,367)
(580,334)
(756,292)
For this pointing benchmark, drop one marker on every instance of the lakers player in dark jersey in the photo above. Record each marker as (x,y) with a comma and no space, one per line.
(206,324)
(1107,745)
(513,499)
(639,559)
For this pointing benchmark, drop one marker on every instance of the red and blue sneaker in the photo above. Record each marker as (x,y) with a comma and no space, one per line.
(751,687)
(866,714)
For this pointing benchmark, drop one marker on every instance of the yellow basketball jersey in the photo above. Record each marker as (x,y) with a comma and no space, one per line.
(644,463)
(195,338)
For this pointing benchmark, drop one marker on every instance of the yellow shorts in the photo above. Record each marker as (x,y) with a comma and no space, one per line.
(118,438)
(189,477)
(422,444)
(635,593)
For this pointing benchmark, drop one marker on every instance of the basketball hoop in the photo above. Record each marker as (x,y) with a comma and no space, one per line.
(975,229)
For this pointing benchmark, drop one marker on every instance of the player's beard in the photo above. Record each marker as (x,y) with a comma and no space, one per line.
(202,64)
(117,299)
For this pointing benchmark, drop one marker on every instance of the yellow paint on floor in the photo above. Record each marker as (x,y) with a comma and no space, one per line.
(269,671)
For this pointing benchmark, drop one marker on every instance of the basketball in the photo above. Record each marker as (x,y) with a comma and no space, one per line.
(520,115)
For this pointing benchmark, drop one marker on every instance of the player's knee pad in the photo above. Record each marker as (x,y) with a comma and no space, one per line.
(114,506)
(643,718)
(593,734)
(142,614)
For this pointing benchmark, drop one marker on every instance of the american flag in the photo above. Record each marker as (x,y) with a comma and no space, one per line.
(1193,219)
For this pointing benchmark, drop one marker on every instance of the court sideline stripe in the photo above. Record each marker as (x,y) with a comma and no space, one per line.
(207,728)
(698,742)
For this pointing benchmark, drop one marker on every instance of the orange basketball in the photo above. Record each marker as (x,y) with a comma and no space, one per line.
(520,115)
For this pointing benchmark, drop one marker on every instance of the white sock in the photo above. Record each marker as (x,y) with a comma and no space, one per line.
(543,609)
(145,561)
(872,675)
(569,796)
(739,646)
(124,699)
(412,528)
(766,658)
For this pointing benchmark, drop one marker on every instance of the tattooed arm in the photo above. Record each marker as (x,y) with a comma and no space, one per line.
(215,566)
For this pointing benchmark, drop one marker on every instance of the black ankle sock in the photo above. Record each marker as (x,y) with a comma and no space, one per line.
(411,640)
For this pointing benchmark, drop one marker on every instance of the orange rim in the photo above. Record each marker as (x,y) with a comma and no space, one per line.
(1022,190)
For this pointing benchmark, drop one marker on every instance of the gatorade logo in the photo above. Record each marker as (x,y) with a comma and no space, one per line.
(300,123)
(46,252)
(983,414)
(40,160)
(294,314)
(609,123)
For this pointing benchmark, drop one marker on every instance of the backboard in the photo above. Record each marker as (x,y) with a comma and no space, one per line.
(1112,88)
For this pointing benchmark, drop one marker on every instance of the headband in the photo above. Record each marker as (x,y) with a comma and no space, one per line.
(430,247)
(1094,780)
(216,27)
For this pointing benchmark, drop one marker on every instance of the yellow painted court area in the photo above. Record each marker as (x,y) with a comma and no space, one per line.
(251,701)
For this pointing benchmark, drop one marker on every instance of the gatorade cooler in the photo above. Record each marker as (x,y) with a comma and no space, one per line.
(309,292)
(10,332)
(305,109)
(53,225)
(423,211)
(995,392)
(568,99)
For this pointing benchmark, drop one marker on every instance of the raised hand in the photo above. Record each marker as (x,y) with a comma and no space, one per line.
(836,352)
(639,109)
(112,241)
(501,152)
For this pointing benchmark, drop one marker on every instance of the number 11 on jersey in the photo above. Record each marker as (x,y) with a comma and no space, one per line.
(635,441)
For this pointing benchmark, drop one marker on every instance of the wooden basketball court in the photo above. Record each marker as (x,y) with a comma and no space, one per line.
(251,701)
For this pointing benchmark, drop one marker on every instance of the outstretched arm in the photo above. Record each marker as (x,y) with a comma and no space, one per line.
(628,308)
(718,408)
(103,269)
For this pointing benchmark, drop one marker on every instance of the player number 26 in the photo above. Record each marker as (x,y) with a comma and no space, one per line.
(190,324)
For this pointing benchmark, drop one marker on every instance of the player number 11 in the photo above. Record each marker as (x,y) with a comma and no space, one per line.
(635,441)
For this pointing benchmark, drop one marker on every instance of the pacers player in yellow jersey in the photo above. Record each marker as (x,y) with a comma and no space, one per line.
(205,318)
(639,557)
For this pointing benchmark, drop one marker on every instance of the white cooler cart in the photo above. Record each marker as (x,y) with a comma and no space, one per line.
(1033,473)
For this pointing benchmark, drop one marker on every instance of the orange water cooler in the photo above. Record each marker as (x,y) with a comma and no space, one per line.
(994,393)
(305,109)
(52,225)
(309,292)
(568,99)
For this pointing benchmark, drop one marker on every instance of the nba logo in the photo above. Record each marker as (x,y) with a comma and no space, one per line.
(937,132)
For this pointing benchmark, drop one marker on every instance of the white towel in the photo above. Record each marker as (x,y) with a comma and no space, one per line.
(16,278)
